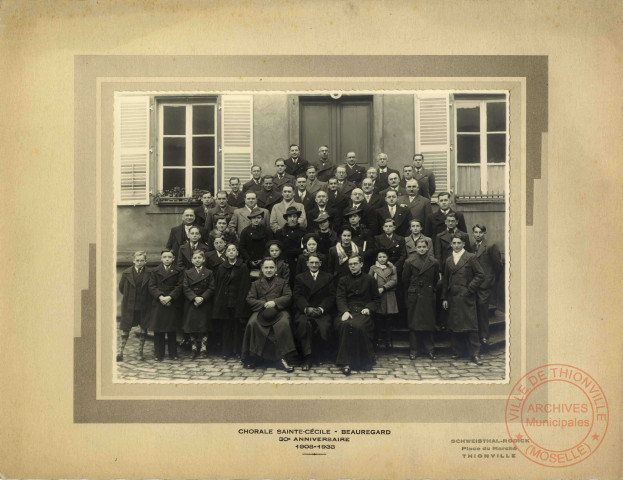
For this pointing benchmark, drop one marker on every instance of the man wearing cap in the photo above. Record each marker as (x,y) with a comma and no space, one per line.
(295,165)
(222,208)
(418,205)
(281,177)
(354,173)
(291,236)
(343,185)
(253,239)
(314,298)
(314,185)
(384,172)
(267,334)
(255,184)
(326,236)
(425,177)
(400,215)
(179,234)
(277,220)
(240,218)
(268,196)
(325,167)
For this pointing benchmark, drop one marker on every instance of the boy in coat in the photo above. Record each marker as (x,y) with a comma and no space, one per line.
(135,303)
(314,298)
(165,288)
(462,277)
(185,254)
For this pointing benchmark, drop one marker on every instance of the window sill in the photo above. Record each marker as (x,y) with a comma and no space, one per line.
(490,198)
(176,201)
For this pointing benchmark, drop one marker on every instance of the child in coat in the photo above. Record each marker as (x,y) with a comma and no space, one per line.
(221,230)
(198,290)
(134,286)
(384,272)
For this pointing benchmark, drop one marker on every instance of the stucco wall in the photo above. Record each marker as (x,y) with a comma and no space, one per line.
(270,130)
(398,129)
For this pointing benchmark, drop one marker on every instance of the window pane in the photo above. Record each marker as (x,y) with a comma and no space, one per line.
(203,119)
(468,119)
(496,117)
(496,148)
(468,181)
(174,120)
(495,179)
(203,178)
(468,149)
(172,178)
(203,151)
(173,152)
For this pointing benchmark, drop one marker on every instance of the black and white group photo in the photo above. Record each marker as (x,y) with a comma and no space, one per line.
(312,236)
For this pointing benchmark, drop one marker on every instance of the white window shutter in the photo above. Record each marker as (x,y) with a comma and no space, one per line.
(432,134)
(236,137)
(131,149)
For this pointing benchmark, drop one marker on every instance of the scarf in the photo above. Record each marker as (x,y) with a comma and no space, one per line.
(342,256)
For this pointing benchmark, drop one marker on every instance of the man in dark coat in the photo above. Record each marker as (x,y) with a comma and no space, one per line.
(426,178)
(221,208)
(491,262)
(185,253)
(443,240)
(314,185)
(354,173)
(135,303)
(295,165)
(438,219)
(356,298)
(255,184)
(337,199)
(321,200)
(343,185)
(268,196)
(301,195)
(240,218)
(369,216)
(391,243)
(400,215)
(268,333)
(383,172)
(281,177)
(324,165)
(461,279)
(394,184)
(418,205)
(179,234)
(314,298)
(201,212)
(235,198)
(165,288)
(372,198)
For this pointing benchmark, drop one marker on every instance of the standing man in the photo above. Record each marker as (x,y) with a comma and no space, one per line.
(179,234)
(201,212)
(343,185)
(462,277)
(277,220)
(221,208)
(337,200)
(314,298)
(313,183)
(301,195)
(325,168)
(281,177)
(384,172)
(372,198)
(407,174)
(368,214)
(268,196)
(426,178)
(394,184)
(240,218)
(235,198)
(400,215)
(438,219)
(418,205)
(321,205)
(489,258)
(443,240)
(373,174)
(295,165)
(255,184)
(354,173)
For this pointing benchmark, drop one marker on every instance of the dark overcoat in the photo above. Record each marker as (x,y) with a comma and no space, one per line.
(213,260)
(325,171)
(426,179)
(402,217)
(162,283)
(491,262)
(381,180)
(198,284)
(235,200)
(395,248)
(438,222)
(135,298)
(420,210)
(210,221)
(460,283)
(178,237)
(298,168)
(232,286)
(443,245)
(419,278)
(355,174)
(185,255)
(318,293)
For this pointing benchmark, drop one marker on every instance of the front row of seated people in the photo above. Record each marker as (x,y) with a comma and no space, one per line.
(271,305)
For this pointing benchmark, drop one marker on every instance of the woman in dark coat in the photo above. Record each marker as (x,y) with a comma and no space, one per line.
(419,278)
(198,290)
(357,297)
(337,264)
(268,333)
(253,240)
(230,306)
(461,280)
(165,288)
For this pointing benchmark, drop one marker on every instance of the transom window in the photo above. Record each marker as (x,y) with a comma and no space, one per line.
(481,145)
(187,147)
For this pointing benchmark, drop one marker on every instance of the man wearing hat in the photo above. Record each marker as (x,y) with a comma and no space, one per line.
(240,218)
(267,335)
(277,219)
(253,239)
(326,236)
(291,235)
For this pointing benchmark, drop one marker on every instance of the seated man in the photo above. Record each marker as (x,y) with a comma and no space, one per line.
(314,298)
(267,334)
(357,297)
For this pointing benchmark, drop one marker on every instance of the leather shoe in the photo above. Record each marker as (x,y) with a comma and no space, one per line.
(476,359)
(412,355)
(346,370)
(306,365)
(119,357)
(431,355)
(286,366)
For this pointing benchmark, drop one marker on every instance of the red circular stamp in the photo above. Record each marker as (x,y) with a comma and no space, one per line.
(557,415)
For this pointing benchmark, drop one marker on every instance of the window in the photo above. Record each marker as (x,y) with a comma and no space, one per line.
(481,144)
(187,146)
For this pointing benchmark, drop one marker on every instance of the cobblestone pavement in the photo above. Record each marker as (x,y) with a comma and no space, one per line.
(394,366)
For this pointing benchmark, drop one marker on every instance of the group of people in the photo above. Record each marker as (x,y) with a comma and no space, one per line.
(316,260)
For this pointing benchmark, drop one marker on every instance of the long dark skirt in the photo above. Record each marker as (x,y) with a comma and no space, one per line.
(354,344)
(256,338)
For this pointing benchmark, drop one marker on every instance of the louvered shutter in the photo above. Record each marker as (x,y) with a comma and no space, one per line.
(131,150)
(236,137)
(432,129)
